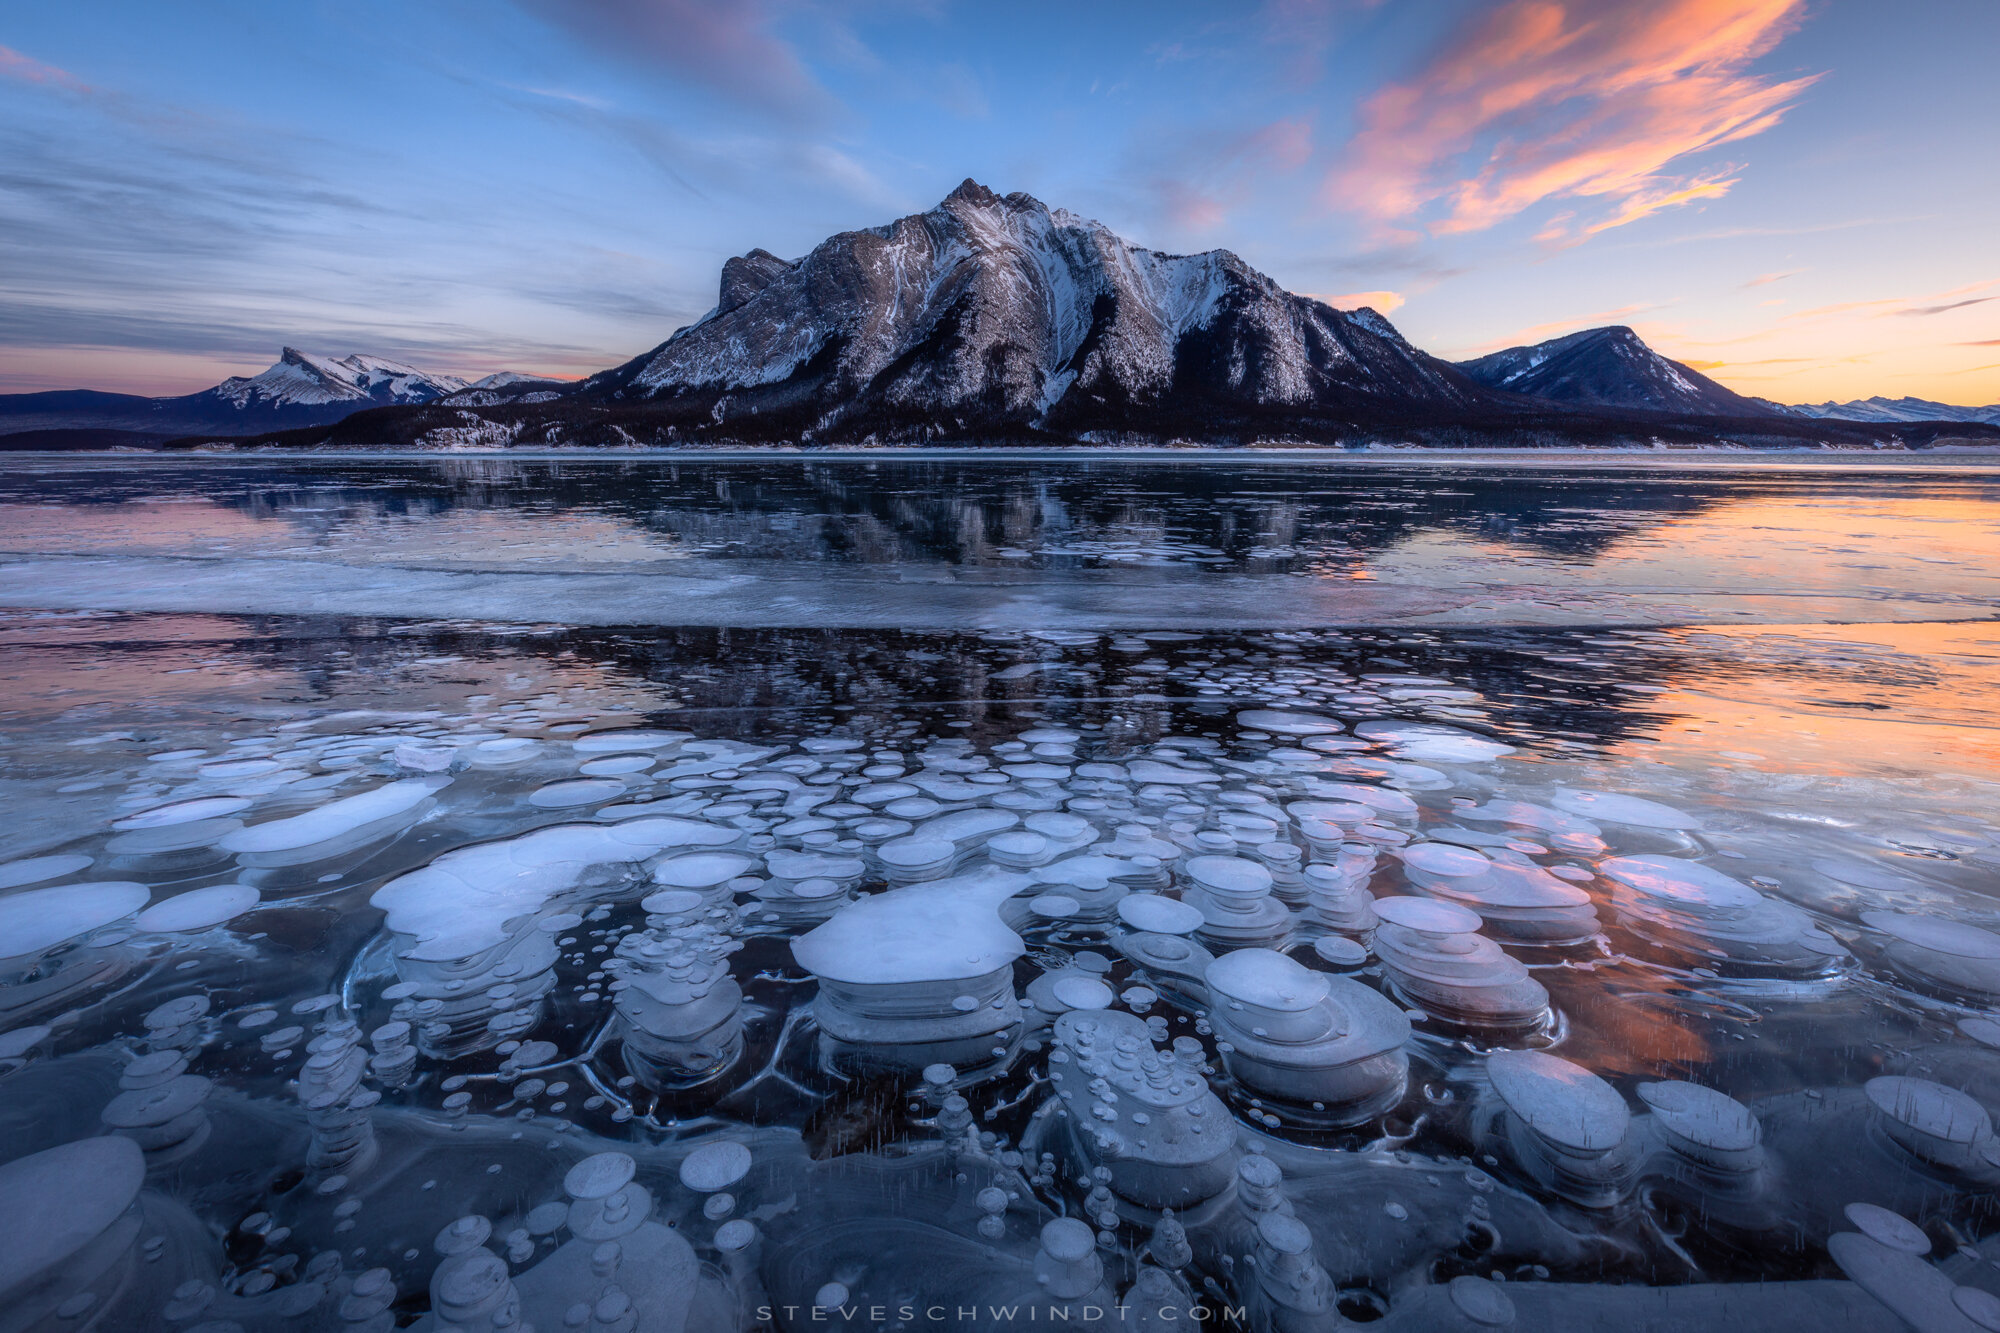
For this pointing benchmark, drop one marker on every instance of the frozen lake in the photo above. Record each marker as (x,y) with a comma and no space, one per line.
(703,895)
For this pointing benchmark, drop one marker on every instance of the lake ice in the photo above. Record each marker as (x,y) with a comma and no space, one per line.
(425,967)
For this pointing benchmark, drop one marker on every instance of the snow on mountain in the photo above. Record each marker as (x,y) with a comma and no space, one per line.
(1893,409)
(1608,367)
(992,311)
(311,381)
(503,379)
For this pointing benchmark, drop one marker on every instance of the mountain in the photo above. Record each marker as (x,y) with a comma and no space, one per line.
(310,381)
(991,314)
(507,387)
(299,390)
(1894,409)
(1608,367)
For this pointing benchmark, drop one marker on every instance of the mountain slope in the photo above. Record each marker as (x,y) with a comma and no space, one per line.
(1893,409)
(1608,367)
(991,313)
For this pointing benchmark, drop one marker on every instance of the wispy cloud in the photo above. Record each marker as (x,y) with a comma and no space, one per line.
(1595,101)
(729,47)
(1940,309)
(1205,177)
(14,65)
(1765,280)
(1936,304)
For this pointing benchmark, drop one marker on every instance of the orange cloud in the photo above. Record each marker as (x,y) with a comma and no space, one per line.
(1381,302)
(14,65)
(1568,99)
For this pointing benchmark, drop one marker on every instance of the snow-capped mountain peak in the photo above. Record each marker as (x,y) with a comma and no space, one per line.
(996,311)
(1894,410)
(302,379)
(1608,367)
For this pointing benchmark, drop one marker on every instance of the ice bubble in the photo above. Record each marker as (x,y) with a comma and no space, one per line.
(673,902)
(1228,875)
(1617,808)
(1985,1031)
(17,1043)
(38,868)
(715,1166)
(613,742)
(1428,916)
(1702,1116)
(1681,881)
(184,812)
(702,870)
(333,819)
(813,865)
(1481,1301)
(55,1204)
(1149,772)
(1437,858)
(1054,906)
(504,751)
(1267,980)
(1152,912)
(1288,724)
(613,765)
(600,1176)
(1931,1110)
(944,930)
(1562,1102)
(1888,1228)
(576,791)
(198,909)
(1982,1307)
(1936,933)
(965,828)
(1433,742)
(41,918)
(1380,798)
(1079,992)
(1340,951)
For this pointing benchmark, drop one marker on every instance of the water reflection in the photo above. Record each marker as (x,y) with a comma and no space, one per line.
(1366,544)
(461,975)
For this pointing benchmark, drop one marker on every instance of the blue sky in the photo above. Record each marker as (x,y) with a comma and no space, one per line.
(1796,196)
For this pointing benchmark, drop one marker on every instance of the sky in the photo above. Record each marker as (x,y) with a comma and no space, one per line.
(1797,197)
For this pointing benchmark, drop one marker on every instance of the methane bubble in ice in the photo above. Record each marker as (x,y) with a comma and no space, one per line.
(1047,972)
(39,919)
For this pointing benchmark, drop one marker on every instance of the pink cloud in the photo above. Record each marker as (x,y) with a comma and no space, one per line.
(1589,101)
(14,65)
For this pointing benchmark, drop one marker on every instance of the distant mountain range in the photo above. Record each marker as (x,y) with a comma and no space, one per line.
(299,390)
(992,319)
(1892,409)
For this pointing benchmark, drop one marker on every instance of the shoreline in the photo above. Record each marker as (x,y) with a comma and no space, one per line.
(1971,458)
